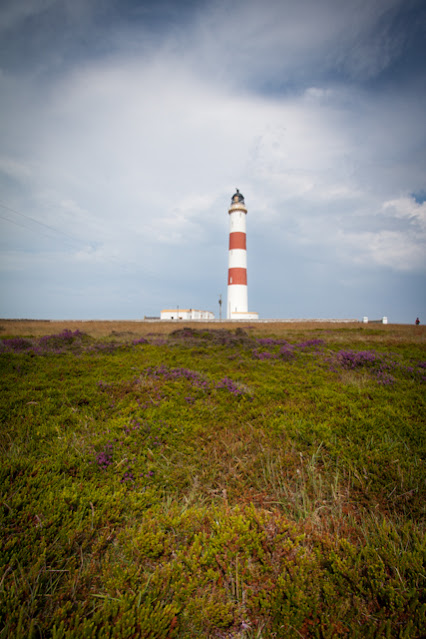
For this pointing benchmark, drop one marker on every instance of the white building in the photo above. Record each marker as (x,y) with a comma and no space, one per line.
(185,314)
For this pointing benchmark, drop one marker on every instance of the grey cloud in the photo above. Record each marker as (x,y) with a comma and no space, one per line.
(135,155)
(13,13)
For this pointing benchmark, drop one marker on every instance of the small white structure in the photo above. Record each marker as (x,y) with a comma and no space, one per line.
(384,320)
(237,266)
(185,314)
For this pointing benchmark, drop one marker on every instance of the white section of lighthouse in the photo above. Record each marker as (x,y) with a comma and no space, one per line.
(237,306)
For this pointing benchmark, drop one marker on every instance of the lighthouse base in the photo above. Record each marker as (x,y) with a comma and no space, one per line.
(249,315)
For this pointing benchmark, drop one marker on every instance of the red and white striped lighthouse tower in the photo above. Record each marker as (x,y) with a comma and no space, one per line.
(237,267)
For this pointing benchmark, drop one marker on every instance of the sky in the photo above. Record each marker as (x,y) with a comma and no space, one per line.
(126,126)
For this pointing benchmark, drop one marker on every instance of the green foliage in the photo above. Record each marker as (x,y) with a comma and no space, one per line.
(213,484)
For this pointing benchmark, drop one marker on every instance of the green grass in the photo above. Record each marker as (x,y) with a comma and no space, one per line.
(208,484)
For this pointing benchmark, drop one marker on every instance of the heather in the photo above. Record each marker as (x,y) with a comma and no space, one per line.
(251,482)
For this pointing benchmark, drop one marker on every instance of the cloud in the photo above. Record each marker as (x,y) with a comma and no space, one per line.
(13,14)
(398,251)
(134,148)
(146,142)
(277,44)
(14,169)
(408,208)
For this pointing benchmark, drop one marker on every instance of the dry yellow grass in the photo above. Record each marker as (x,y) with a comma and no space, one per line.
(390,333)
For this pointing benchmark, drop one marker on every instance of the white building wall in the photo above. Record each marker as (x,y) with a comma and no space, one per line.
(185,314)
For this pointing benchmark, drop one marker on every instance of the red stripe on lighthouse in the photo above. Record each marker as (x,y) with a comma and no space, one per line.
(237,240)
(237,276)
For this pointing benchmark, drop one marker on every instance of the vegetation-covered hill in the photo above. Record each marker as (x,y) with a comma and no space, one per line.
(265,481)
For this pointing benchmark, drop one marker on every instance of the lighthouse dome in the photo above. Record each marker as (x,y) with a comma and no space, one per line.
(237,197)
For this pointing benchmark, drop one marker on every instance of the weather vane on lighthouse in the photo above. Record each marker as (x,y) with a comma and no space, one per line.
(237,306)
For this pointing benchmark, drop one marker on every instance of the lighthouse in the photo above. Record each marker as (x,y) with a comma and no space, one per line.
(237,306)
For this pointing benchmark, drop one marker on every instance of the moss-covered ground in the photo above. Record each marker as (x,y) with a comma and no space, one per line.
(211,482)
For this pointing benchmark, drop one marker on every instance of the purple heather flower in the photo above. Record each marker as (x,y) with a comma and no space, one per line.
(309,343)
(230,385)
(141,340)
(286,352)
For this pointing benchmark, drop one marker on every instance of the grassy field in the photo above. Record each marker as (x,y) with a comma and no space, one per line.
(164,480)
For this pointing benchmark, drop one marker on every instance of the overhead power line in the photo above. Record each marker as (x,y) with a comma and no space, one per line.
(111,258)
(28,217)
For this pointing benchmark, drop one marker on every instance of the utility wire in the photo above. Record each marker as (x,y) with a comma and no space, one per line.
(36,230)
(51,228)
(111,258)
(22,226)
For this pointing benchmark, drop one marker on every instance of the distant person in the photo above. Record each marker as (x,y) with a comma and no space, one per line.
(417,321)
